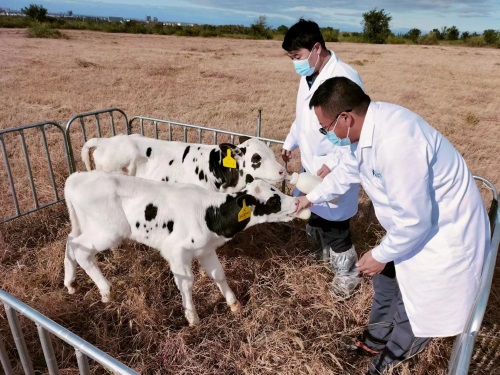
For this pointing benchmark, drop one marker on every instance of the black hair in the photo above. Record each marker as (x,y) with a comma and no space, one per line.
(340,94)
(303,34)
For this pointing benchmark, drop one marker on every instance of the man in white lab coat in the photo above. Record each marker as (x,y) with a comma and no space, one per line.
(328,228)
(428,202)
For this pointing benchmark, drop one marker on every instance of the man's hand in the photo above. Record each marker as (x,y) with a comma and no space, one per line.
(323,171)
(286,155)
(369,266)
(303,202)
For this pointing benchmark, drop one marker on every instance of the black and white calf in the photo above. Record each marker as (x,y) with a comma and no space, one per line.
(182,221)
(193,163)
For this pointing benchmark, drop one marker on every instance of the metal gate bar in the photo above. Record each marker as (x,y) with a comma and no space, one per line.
(200,129)
(4,358)
(95,115)
(18,336)
(48,351)
(83,349)
(40,126)
(464,344)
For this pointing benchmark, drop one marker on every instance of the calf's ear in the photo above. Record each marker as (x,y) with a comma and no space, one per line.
(243,138)
(235,151)
(250,200)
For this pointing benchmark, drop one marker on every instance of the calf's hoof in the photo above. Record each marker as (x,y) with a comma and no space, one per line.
(72,287)
(235,307)
(192,317)
(106,296)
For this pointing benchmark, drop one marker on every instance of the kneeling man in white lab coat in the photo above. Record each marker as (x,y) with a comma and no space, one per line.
(426,269)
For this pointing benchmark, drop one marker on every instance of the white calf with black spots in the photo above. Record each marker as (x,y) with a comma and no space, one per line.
(172,162)
(182,221)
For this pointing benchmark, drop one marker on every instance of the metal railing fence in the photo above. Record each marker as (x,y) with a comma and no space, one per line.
(79,121)
(42,127)
(464,344)
(199,128)
(97,120)
(45,327)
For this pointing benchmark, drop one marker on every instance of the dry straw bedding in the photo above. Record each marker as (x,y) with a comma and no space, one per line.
(290,323)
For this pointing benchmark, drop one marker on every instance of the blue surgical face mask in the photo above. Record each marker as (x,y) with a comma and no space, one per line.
(302,66)
(332,137)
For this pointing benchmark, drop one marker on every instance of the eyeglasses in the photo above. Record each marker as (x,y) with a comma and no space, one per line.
(324,131)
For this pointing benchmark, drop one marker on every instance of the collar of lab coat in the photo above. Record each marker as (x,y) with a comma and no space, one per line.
(366,136)
(323,75)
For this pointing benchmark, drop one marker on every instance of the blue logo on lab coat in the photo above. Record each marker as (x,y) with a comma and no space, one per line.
(376,174)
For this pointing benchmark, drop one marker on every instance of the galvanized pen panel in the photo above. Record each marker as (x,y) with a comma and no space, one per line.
(460,360)
(96,124)
(34,167)
(46,329)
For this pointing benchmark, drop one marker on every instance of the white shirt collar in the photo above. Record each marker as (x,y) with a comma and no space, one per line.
(366,136)
(324,74)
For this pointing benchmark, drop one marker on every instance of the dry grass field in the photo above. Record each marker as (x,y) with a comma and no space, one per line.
(290,323)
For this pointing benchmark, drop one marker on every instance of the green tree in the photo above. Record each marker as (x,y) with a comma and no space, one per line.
(438,34)
(452,33)
(376,25)
(413,35)
(282,29)
(330,34)
(260,29)
(444,32)
(490,36)
(35,12)
(465,35)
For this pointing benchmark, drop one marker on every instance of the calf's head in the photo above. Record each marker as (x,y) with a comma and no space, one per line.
(255,161)
(260,202)
(267,203)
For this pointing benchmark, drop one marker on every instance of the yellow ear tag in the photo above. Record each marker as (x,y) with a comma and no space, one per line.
(228,161)
(245,212)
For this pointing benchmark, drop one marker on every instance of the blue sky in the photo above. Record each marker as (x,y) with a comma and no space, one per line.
(346,15)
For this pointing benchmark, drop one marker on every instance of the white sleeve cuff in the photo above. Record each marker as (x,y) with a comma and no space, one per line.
(315,196)
(378,256)
(289,144)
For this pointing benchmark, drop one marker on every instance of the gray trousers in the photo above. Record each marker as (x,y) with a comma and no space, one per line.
(389,330)
(325,235)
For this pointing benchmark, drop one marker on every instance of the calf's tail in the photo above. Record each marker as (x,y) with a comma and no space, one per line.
(93,142)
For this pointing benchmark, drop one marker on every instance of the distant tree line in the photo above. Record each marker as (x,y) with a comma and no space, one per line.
(376,29)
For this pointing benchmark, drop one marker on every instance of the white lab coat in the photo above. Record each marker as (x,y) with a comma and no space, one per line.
(427,200)
(315,149)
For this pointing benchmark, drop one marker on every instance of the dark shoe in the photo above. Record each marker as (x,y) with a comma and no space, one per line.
(355,344)
(363,349)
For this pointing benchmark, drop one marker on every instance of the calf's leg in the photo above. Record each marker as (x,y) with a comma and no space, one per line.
(212,266)
(181,266)
(69,267)
(85,247)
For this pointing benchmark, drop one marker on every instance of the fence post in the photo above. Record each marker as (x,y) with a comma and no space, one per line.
(48,351)
(83,362)
(4,358)
(259,122)
(19,339)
